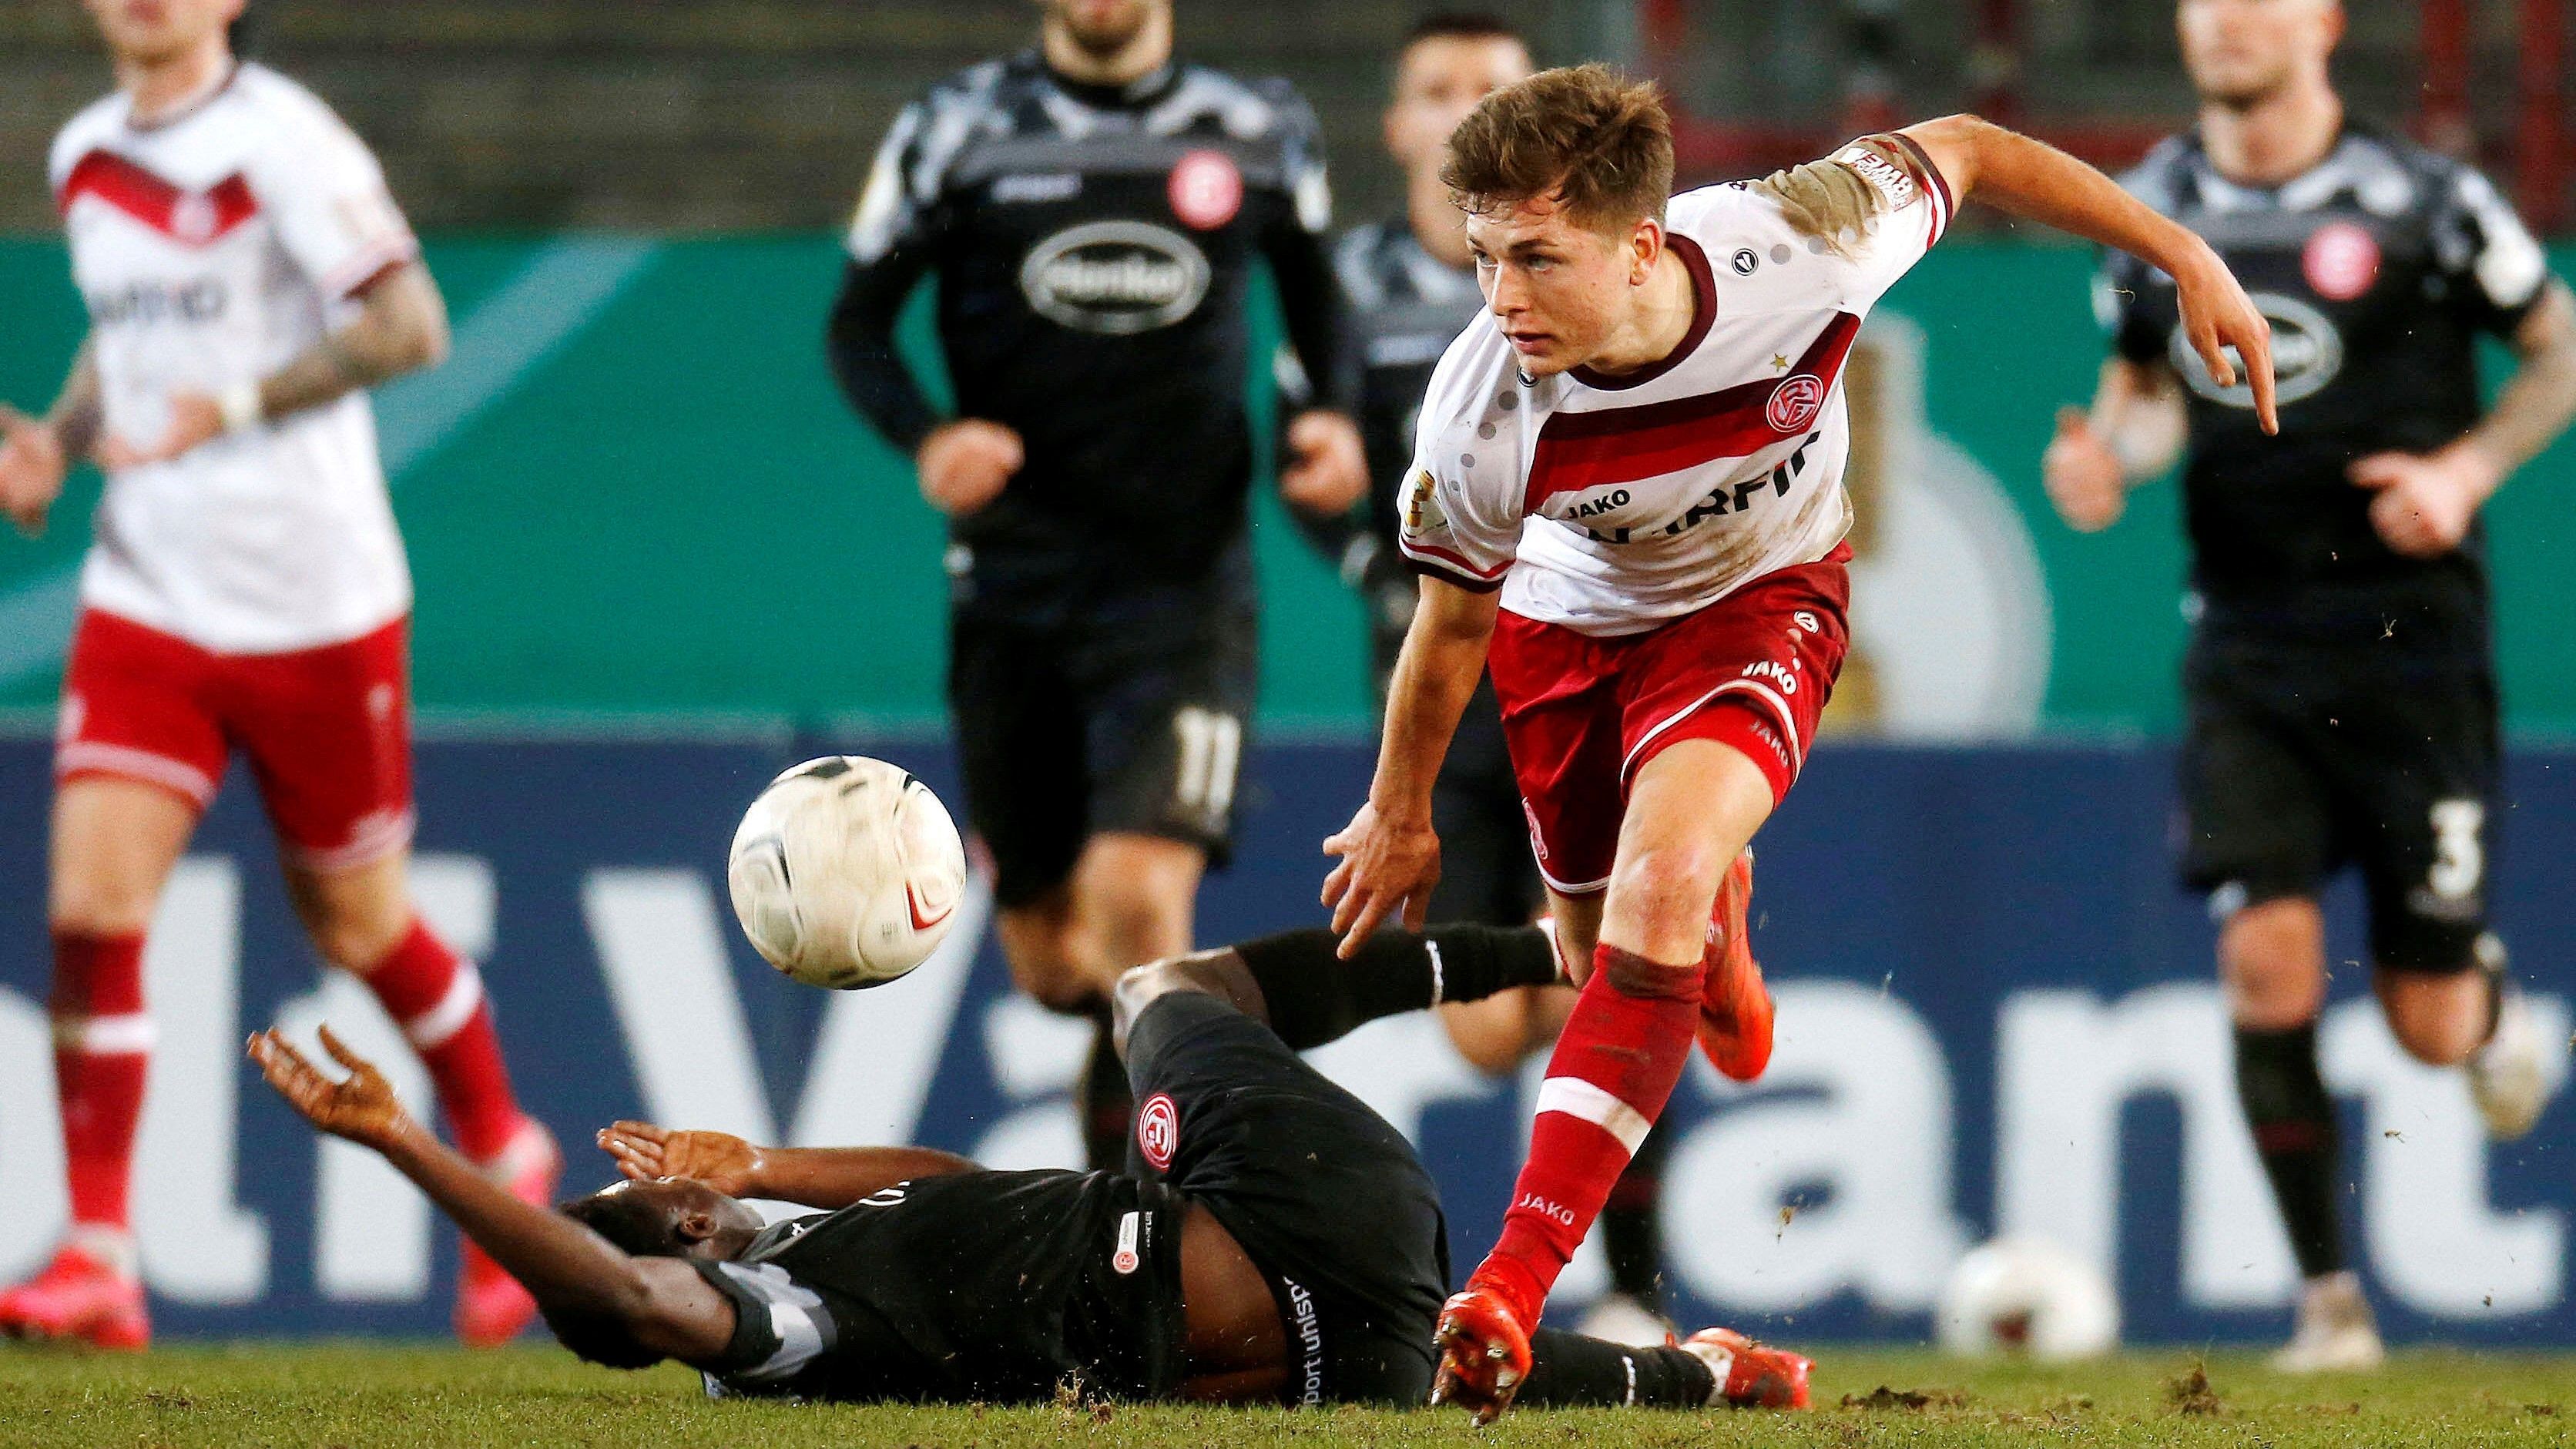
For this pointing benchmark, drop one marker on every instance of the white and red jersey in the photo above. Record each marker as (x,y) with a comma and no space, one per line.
(1611,504)
(211,248)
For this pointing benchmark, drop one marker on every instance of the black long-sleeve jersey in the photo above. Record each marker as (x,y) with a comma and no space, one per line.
(1092,247)
(1407,306)
(2378,268)
(991,1287)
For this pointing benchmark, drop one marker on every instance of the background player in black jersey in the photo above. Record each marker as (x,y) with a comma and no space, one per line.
(1274,1242)
(1093,211)
(1411,283)
(2340,685)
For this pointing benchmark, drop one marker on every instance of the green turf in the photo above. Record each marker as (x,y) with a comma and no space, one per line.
(378,1395)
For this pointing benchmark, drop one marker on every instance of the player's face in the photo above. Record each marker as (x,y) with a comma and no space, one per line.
(150,30)
(1103,27)
(1559,290)
(2241,51)
(1437,83)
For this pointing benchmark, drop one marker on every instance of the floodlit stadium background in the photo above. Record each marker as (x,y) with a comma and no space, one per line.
(658,560)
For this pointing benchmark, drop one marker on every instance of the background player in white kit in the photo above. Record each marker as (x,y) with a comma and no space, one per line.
(247,278)
(1628,483)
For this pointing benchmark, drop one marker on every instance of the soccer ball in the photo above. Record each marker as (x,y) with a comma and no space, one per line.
(2028,1296)
(846,872)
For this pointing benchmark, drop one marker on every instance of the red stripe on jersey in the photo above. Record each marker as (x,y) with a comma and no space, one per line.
(1423,553)
(1621,445)
(1929,177)
(190,218)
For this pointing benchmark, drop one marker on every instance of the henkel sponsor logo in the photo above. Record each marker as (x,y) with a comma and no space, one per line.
(1158,1129)
(1115,277)
(1794,402)
(1206,190)
(2307,353)
(2341,260)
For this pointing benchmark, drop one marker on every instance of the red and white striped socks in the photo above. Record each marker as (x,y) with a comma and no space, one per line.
(436,997)
(1615,1065)
(102,1051)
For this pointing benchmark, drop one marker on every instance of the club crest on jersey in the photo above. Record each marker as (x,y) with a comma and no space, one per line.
(1158,1129)
(2341,260)
(1206,190)
(1795,402)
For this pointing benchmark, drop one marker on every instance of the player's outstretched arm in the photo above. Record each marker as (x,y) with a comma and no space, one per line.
(1390,859)
(35,453)
(2033,179)
(661,1304)
(817,1177)
(401,327)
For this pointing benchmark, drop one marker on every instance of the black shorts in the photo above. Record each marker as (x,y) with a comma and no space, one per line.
(1132,717)
(1326,1197)
(2294,767)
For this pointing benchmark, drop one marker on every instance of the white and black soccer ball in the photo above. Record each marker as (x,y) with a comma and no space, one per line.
(2024,1296)
(846,872)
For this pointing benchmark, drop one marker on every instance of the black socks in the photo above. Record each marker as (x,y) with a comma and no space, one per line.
(1632,1224)
(2293,1122)
(1106,1102)
(1313,996)
(1568,1370)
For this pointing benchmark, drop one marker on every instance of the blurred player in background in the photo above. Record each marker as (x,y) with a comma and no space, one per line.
(1093,210)
(1411,282)
(2341,685)
(1627,482)
(1276,1242)
(248,278)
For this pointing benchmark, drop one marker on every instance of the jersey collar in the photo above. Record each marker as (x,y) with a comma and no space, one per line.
(186,108)
(1703,316)
(1144,90)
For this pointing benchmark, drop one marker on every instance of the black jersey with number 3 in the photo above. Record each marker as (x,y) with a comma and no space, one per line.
(2378,269)
(985,1287)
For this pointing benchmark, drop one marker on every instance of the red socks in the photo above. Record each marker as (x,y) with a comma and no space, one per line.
(102,1049)
(1615,1066)
(437,1000)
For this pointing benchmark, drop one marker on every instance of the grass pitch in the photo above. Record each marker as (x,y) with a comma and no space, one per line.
(353,1395)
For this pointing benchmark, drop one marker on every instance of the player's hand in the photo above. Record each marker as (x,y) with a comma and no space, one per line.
(361,1106)
(1330,472)
(2217,316)
(2426,501)
(1388,869)
(719,1159)
(31,469)
(2083,474)
(965,464)
(195,418)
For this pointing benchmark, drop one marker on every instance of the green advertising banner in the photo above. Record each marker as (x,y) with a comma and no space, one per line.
(634,493)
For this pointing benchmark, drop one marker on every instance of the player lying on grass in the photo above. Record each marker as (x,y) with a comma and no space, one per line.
(1274,1241)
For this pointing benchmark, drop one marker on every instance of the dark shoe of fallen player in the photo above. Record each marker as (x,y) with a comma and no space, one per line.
(1282,1244)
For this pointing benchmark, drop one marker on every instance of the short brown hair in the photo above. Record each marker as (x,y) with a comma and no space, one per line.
(1599,141)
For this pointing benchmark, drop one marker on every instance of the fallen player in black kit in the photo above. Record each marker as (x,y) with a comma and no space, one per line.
(1273,1242)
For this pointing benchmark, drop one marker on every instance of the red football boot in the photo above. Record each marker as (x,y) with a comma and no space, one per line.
(1735,1010)
(1750,1375)
(1484,1352)
(78,1297)
(491,1307)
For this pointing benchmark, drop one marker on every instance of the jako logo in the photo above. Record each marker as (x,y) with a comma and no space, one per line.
(1780,674)
(1545,1208)
(1115,277)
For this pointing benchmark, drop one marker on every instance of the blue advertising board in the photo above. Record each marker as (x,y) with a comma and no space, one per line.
(1996,1015)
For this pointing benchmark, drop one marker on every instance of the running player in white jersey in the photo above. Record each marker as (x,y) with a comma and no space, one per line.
(1628,483)
(247,278)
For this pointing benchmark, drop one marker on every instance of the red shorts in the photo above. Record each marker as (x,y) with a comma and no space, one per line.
(328,730)
(1581,714)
